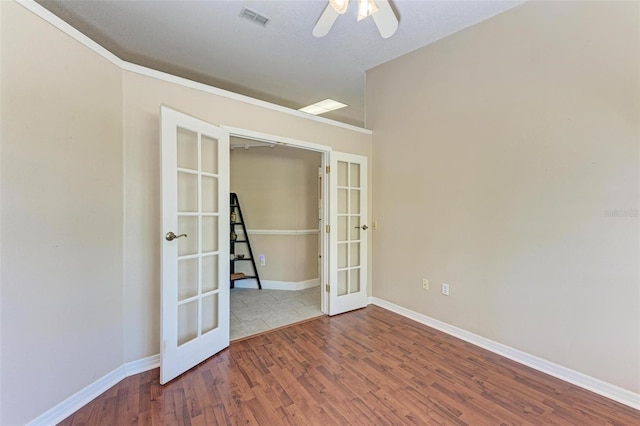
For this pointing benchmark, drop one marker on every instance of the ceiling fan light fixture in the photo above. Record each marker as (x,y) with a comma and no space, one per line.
(380,10)
(339,5)
(366,8)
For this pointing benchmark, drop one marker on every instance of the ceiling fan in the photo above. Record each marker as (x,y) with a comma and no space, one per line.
(380,10)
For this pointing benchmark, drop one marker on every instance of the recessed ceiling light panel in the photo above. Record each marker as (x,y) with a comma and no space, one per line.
(323,107)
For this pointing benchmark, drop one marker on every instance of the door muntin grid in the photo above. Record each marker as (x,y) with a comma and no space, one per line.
(198,215)
(349,228)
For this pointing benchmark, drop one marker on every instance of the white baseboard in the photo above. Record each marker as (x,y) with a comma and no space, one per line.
(72,404)
(592,384)
(278,285)
(81,398)
(142,365)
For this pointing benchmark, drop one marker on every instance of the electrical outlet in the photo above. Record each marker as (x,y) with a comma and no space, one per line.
(445,289)
(375,225)
(425,284)
(263,260)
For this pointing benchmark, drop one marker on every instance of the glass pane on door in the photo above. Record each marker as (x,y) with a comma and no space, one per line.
(209,273)
(209,313)
(187,245)
(209,155)
(349,227)
(343,286)
(187,192)
(187,149)
(187,322)
(209,194)
(209,234)
(198,216)
(187,278)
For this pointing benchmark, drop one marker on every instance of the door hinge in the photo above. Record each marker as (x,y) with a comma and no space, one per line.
(327,288)
(328,169)
(328,228)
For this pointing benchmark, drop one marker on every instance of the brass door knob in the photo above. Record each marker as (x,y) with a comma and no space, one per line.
(171,236)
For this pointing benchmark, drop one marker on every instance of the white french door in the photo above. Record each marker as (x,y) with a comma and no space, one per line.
(348,237)
(195,242)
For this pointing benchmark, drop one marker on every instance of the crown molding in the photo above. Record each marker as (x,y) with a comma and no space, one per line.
(63,26)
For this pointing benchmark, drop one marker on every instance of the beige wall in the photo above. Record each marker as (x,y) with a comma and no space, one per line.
(510,151)
(62,209)
(289,258)
(80,234)
(278,190)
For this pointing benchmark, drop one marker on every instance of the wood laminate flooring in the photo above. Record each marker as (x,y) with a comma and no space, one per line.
(370,366)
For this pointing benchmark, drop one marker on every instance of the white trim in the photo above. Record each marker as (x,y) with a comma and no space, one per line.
(325,151)
(78,400)
(142,365)
(43,13)
(278,285)
(592,384)
(280,231)
(170,78)
(81,398)
(275,139)
(52,19)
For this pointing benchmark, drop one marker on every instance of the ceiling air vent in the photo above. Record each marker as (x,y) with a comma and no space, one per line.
(255,17)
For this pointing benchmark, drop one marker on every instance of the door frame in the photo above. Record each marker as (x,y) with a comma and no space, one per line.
(325,152)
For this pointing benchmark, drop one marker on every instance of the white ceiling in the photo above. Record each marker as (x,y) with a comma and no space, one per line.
(207,41)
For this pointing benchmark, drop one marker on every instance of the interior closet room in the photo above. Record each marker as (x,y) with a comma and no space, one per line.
(278,193)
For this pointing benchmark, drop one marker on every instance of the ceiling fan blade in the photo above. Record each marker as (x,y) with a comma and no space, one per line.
(385,19)
(325,22)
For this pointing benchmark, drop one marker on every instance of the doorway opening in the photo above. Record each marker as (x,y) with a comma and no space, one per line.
(282,194)
(196,248)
